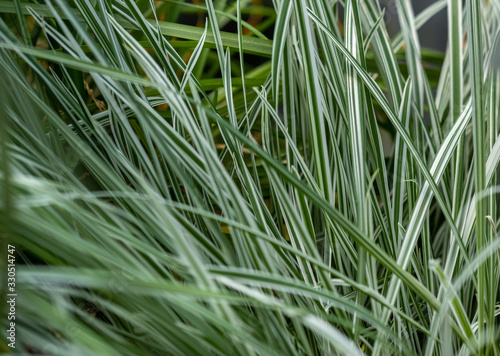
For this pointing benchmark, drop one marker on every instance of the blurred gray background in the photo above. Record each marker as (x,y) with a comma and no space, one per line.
(432,35)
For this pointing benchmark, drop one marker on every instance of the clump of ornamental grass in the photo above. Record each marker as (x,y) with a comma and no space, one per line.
(231,178)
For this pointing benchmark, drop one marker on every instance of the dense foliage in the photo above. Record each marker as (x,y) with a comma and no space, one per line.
(236,178)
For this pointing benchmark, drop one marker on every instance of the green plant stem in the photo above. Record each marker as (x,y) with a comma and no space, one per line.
(476,73)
